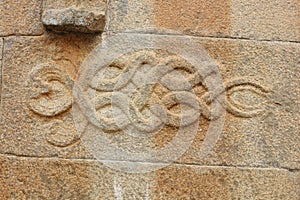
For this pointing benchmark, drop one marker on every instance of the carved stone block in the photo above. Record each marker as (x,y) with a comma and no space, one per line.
(149,109)
(262,100)
(37,95)
(76,16)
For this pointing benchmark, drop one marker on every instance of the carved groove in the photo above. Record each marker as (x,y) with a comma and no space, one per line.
(51,96)
(52,91)
(147,87)
(132,91)
(59,135)
(178,77)
(243,110)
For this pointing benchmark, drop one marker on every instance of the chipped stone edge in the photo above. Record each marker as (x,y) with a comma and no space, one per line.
(74,20)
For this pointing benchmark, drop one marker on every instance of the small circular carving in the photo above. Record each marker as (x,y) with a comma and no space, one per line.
(51,94)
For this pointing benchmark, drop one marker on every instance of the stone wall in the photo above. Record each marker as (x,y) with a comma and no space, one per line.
(150,99)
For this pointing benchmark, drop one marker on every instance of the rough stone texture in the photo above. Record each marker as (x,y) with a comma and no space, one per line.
(273,20)
(92,5)
(83,16)
(23,126)
(297,181)
(127,16)
(42,156)
(31,178)
(1,48)
(269,137)
(73,20)
(194,17)
(20,17)
(225,183)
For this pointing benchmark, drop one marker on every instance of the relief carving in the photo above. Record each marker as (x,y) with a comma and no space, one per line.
(51,96)
(77,16)
(146,102)
(255,91)
(154,88)
(165,97)
(241,106)
(59,134)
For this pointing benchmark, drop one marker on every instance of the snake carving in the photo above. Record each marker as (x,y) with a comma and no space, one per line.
(49,97)
(127,98)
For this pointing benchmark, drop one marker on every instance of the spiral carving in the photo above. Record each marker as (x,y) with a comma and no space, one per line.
(49,97)
(51,94)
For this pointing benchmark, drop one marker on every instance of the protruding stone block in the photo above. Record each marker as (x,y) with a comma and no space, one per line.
(85,16)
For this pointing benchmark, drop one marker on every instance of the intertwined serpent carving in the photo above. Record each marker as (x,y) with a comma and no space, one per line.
(145,88)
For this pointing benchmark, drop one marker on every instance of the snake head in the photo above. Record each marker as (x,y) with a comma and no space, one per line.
(51,94)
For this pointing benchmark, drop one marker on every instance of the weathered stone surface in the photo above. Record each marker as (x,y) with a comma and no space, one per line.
(260,130)
(1,48)
(129,16)
(32,178)
(297,181)
(71,19)
(20,17)
(194,17)
(83,16)
(274,20)
(92,5)
(270,137)
(224,183)
(27,60)
(203,117)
